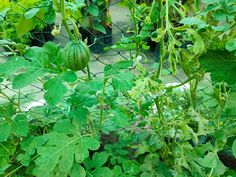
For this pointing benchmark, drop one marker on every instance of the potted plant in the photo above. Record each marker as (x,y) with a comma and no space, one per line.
(97,20)
(27,22)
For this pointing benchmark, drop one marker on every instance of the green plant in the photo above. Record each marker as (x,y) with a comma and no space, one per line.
(21,17)
(145,23)
(98,16)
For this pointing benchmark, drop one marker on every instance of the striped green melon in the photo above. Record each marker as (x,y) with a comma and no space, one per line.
(76,55)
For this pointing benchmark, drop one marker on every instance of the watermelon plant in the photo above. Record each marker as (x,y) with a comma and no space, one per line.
(132,121)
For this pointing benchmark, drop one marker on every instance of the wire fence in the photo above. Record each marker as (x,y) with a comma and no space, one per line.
(34,93)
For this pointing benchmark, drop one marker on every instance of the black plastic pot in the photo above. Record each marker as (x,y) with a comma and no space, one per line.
(102,41)
(85,34)
(227,158)
(98,45)
(40,37)
(151,44)
(108,36)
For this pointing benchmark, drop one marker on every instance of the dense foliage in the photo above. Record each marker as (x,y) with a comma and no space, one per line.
(130,122)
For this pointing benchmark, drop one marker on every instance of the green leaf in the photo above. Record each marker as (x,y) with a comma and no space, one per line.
(4,168)
(91,143)
(50,16)
(130,167)
(7,150)
(99,28)
(231,45)
(117,171)
(234,148)
(64,126)
(210,1)
(55,90)
(98,159)
(219,15)
(230,106)
(93,10)
(164,170)
(20,125)
(66,160)
(69,76)
(5,129)
(102,172)
(24,26)
(224,27)
(31,13)
(81,153)
(114,69)
(196,169)
(24,79)
(199,46)
(57,152)
(54,53)
(29,146)
(209,161)
(123,64)
(91,87)
(7,110)
(13,64)
(120,117)
(37,55)
(51,48)
(81,150)
(77,171)
(194,21)
(123,81)
(220,168)
(37,172)
(220,64)
(80,114)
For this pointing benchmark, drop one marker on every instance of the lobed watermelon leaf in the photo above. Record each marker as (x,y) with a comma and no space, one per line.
(220,64)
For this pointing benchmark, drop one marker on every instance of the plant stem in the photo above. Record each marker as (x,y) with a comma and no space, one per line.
(77,33)
(19,167)
(166,15)
(135,28)
(91,126)
(220,110)
(196,6)
(88,72)
(161,50)
(11,101)
(218,115)
(13,171)
(5,148)
(9,48)
(186,81)
(160,113)
(211,172)
(140,109)
(182,15)
(102,102)
(63,14)
(19,98)
(193,91)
